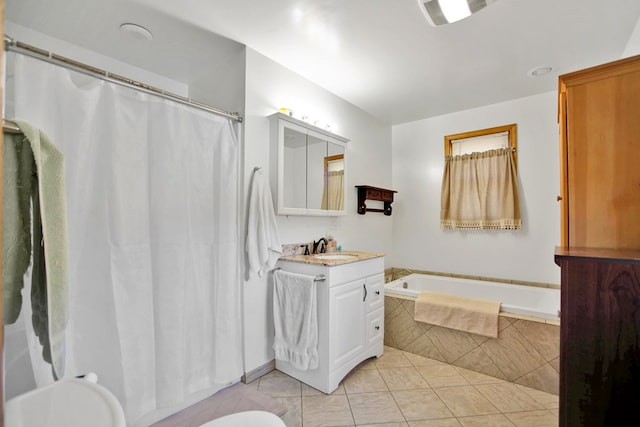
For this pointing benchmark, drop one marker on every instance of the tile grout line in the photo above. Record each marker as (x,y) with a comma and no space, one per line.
(495,364)
(546,361)
(487,398)
(468,383)
(353,417)
(544,407)
(434,391)
(391,393)
(301,406)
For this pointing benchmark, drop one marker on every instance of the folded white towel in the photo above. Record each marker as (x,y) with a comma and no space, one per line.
(262,245)
(474,315)
(295,318)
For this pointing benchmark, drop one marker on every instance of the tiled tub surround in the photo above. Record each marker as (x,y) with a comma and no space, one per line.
(526,351)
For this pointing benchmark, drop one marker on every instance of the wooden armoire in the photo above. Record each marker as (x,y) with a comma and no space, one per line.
(599,256)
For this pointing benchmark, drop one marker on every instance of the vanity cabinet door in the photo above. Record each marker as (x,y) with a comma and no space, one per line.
(375,292)
(347,317)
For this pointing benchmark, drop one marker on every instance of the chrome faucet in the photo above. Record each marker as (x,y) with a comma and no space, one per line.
(316,245)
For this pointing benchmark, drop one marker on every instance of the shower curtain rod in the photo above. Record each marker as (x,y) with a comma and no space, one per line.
(10,127)
(13,45)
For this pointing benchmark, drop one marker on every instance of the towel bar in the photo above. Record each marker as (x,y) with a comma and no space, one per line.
(318,278)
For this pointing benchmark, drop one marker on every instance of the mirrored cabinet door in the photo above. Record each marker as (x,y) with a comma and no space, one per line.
(316,153)
(308,168)
(295,154)
(334,177)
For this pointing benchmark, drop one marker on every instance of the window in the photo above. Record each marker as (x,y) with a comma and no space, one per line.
(480,182)
(482,140)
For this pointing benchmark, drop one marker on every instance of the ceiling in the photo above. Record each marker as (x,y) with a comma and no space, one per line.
(380,55)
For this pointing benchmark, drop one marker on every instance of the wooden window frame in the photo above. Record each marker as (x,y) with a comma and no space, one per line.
(330,159)
(511,130)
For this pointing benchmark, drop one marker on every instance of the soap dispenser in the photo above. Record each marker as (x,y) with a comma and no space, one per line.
(331,244)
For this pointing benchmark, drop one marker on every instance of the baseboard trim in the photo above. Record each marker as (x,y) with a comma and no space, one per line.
(258,372)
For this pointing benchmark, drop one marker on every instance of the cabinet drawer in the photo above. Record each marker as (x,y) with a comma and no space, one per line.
(385,196)
(373,195)
(375,326)
(375,292)
(354,271)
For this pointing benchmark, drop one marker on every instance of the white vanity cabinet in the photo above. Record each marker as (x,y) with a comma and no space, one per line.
(350,319)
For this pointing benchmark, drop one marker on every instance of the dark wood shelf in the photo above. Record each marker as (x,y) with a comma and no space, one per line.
(374,193)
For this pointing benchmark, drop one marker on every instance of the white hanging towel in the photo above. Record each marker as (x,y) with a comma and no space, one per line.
(263,239)
(295,318)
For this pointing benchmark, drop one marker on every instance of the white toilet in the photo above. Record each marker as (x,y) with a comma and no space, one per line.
(72,402)
(247,419)
(81,402)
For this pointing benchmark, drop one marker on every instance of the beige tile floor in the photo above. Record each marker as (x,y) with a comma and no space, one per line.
(402,389)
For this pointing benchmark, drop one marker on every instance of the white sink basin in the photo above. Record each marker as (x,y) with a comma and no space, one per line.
(335,256)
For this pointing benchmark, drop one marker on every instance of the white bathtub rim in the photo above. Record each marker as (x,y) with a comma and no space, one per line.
(550,295)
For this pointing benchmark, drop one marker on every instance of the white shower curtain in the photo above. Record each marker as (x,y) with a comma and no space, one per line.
(153,241)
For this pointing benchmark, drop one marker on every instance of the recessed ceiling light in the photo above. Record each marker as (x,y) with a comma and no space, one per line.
(136,31)
(540,71)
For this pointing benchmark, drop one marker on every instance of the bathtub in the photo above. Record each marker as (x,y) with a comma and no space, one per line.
(543,303)
(526,351)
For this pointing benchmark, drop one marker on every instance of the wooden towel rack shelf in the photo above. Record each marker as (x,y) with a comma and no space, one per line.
(374,193)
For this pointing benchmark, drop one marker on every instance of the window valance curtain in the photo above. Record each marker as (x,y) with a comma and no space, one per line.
(480,191)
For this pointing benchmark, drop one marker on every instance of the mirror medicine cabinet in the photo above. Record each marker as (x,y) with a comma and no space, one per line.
(308,168)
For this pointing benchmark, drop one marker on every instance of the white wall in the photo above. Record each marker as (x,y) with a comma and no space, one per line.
(633,46)
(270,86)
(418,163)
(77,53)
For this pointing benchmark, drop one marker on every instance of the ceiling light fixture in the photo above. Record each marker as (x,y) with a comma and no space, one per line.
(540,71)
(441,12)
(136,31)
